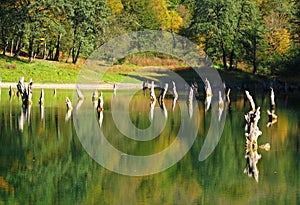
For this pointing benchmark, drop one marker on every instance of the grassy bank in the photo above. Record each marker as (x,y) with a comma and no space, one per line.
(42,71)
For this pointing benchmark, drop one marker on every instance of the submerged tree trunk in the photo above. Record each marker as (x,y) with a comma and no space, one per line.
(56,57)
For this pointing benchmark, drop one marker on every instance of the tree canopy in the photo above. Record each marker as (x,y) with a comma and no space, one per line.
(262,36)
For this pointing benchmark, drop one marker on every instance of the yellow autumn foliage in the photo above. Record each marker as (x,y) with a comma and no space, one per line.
(170,20)
(279,37)
(175,22)
(280,40)
(115,6)
(202,40)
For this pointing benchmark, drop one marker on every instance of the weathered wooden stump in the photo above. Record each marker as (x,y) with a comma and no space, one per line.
(271,114)
(252,132)
(163,93)
(26,94)
(100,103)
(41,101)
(152,92)
(175,96)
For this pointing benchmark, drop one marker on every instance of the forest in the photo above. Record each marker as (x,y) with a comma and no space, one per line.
(261,36)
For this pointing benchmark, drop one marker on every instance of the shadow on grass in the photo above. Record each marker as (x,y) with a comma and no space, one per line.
(190,76)
(13,59)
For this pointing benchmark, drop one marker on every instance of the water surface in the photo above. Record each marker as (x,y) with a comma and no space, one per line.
(43,162)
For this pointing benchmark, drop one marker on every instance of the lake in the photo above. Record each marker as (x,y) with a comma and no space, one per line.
(42,159)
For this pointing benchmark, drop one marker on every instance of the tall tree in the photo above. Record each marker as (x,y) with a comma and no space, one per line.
(277,19)
(87,20)
(234,30)
(213,21)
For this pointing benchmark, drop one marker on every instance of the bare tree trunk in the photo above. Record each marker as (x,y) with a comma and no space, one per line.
(17,45)
(56,57)
(11,47)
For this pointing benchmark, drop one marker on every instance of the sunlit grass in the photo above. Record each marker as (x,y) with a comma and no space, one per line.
(43,71)
(39,70)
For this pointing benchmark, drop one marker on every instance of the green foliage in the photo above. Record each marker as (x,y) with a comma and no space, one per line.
(46,28)
(40,71)
(143,14)
(253,33)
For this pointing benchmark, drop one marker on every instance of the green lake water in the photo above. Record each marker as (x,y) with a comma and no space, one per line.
(42,160)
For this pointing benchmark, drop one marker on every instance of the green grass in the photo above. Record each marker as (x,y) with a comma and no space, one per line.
(43,71)
(40,71)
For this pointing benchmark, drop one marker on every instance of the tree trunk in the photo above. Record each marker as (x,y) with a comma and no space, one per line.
(254,66)
(19,46)
(12,47)
(56,57)
(74,45)
(231,60)
(77,54)
(4,41)
(5,47)
(50,54)
(73,54)
(70,51)
(30,49)
(45,50)
(254,61)
(224,57)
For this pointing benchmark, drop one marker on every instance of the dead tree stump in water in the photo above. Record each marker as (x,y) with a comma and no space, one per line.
(163,93)
(26,94)
(252,132)
(152,92)
(271,114)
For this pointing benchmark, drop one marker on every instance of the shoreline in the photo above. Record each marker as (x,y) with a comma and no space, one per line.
(72,86)
(123,86)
